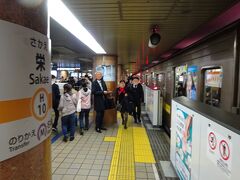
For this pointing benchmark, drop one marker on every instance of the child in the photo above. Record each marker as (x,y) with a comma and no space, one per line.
(84,96)
(67,106)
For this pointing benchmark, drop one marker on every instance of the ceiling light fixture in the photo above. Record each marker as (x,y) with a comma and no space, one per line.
(60,13)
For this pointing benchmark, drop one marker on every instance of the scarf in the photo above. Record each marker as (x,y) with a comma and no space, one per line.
(121,90)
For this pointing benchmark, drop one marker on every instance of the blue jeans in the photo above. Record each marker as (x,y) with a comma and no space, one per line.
(68,122)
(84,113)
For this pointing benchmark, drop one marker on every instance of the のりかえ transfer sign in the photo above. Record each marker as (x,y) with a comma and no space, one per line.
(25,96)
(183,144)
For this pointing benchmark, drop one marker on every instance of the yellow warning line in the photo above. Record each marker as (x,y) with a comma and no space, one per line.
(110,139)
(142,148)
(131,145)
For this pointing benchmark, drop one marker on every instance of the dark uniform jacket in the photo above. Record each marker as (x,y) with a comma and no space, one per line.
(55,96)
(99,97)
(136,94)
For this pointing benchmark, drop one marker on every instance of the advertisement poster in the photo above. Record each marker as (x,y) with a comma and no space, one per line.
(25,97)
(183,144)
(213,78)
(219,151)
(108,71)
(192,82)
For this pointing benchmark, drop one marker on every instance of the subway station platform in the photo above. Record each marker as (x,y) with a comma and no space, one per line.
(138,152)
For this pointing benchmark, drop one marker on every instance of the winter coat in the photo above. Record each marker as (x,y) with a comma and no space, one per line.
(68,104)
(127,105)
(136,94)
(85,98)
(99,97)
(55,96)
(119,97)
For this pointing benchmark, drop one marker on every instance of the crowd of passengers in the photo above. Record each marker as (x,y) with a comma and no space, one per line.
(75,105)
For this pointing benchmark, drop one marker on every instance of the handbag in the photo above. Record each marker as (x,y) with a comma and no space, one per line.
(79,104)
(130,108)
(109,103)
(118,107)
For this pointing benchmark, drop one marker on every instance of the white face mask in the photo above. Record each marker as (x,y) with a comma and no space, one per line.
(53,81)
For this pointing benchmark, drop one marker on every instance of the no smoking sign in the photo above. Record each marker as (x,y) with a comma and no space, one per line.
(40,104)
(212,141)
(224,150)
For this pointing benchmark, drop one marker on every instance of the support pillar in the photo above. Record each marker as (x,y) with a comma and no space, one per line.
(108,65)
(22,128)
(119,73)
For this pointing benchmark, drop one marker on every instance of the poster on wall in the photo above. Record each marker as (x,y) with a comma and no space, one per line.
(192,82)
(213,78)
(108,72)
(219,151)
(25,97)
(183,144)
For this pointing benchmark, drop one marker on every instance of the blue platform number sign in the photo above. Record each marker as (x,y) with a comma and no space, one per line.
(183,144)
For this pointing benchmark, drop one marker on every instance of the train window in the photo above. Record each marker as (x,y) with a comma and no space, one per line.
(161,82)
(180,80)
(212,86)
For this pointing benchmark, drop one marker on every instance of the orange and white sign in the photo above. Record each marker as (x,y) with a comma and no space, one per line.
(214,79)
(25,96)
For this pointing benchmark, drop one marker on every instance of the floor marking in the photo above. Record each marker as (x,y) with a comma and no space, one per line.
(132,145)
(142,148)
(110,139)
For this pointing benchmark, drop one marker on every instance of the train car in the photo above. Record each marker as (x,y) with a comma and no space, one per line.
(207,72)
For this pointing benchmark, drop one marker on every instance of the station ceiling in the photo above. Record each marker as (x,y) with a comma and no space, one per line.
(123,27)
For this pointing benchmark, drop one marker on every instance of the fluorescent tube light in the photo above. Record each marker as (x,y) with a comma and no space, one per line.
(60,13)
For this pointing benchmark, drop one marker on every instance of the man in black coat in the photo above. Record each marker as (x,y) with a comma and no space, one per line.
(55,102)
(99,90)
(137,95)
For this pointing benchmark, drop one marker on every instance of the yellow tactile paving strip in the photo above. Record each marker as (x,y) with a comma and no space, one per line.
(110,139)
(142,148)
(132,145)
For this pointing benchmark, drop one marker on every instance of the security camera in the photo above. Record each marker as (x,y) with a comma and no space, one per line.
(154,38)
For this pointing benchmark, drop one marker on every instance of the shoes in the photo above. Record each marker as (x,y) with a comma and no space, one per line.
(86,129)
(125,127)
(103,128)
(65,139)
(139,120)
(71,139)
(81,131)
(98,130)
(54,129)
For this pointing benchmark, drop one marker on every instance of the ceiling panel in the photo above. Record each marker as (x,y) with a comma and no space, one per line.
(123,27)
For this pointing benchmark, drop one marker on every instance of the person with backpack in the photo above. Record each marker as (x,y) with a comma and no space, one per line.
(84,95)
(67,106)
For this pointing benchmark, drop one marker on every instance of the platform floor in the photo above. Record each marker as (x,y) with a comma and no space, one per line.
(115,154)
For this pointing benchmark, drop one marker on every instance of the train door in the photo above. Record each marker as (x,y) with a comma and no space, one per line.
(168,94)
(212,86)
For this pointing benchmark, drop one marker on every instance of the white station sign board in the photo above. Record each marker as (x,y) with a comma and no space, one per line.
(25,96)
